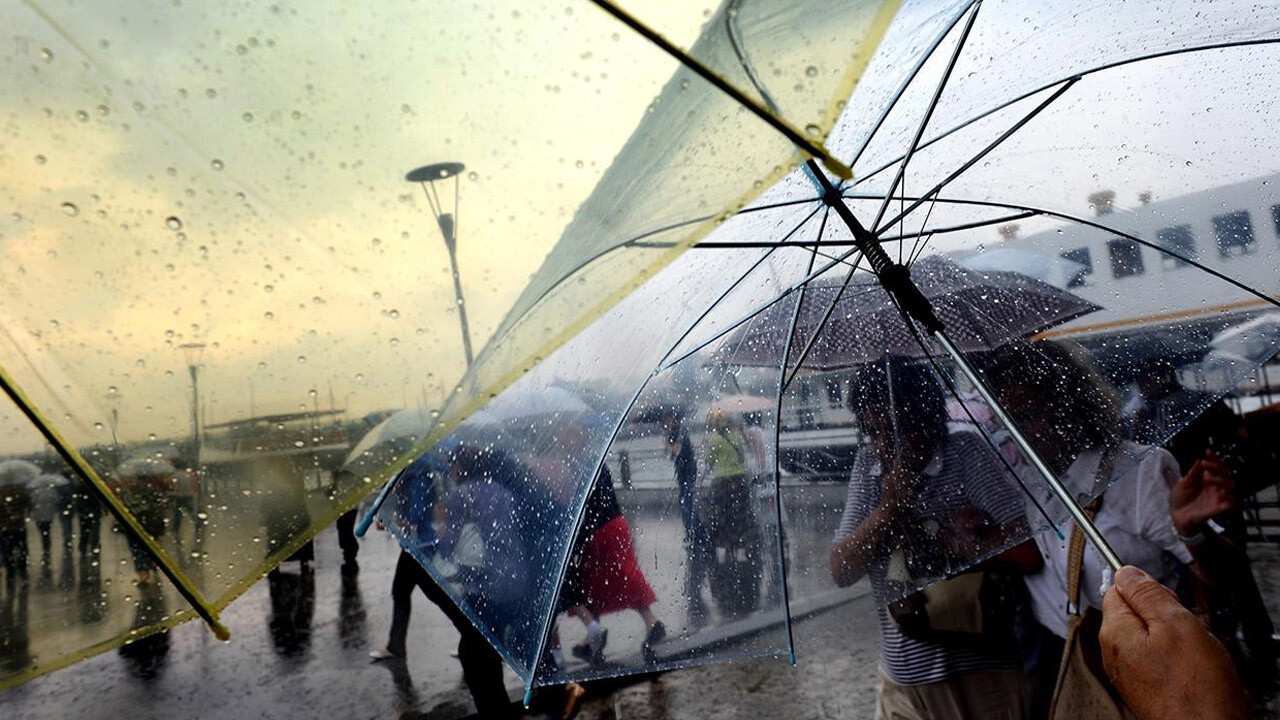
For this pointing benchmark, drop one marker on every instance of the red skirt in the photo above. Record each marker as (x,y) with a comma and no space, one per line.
(611,575)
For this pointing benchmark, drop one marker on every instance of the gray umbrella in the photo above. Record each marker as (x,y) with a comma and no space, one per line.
(981,309)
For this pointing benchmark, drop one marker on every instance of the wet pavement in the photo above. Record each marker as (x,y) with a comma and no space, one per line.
(300,645)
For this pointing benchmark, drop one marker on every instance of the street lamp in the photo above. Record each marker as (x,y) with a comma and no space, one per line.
(113,402)
(193,352)
(428,176)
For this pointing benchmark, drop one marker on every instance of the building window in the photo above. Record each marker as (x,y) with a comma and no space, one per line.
(834,396)
(1235,233)
(1126,258)
(1081,257)
(1177,239)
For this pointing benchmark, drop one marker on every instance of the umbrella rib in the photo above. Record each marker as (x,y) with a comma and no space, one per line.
(735,41)
(817,330)
(777,438)
(960,227)
(928,114)
(1082,73)
(796,137)
(1128,236)
(1008,133)
(665,363)
(98,487)
(902,89)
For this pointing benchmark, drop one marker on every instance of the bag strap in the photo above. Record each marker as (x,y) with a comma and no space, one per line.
(1075,553)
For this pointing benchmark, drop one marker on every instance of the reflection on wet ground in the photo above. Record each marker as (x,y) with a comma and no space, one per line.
(300,644)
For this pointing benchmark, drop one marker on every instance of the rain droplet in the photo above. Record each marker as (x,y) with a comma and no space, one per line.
(812,130)
(393,314)
(98,426)
(1188,163)
(473,176)
(268,288)
(82,116)
(173,223)
(40,159)
(103,110)
(269,315)
(70,210)
(241,50)
(46,54)
(811,71)
(247,117)
(216,164)
(302,359)
(395,342)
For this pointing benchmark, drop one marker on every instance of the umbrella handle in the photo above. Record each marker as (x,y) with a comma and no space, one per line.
(363,527)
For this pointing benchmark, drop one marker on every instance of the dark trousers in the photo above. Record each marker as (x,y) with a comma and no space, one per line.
(481,664)
(347,535)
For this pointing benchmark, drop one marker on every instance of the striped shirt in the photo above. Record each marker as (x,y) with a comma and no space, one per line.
(963,474)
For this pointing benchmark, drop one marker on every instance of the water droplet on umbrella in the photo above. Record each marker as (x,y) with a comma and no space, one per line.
(268,288)
(173,223)
(216,164)
(269,315)
(302,359)
(70,210)
(46,54)
(473,176)
(811,71)
(82,116)
(247,117)
(40,159)
(812,130)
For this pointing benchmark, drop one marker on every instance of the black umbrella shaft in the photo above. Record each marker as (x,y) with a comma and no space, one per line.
(895,277)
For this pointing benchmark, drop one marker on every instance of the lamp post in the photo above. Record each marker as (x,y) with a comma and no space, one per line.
(113,402)
(428,176)
(193,352)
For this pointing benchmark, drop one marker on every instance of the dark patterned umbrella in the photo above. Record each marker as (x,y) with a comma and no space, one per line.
(858,323)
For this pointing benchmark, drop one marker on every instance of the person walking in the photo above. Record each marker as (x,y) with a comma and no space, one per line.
(915,476)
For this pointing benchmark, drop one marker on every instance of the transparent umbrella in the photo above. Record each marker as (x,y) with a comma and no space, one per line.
(979,127)
(215,256)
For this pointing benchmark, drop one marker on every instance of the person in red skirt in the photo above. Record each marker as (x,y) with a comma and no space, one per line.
(604,576)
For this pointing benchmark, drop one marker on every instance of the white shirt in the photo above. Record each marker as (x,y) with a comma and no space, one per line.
(1134,518)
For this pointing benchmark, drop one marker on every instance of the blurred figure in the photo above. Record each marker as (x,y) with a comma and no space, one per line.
(147,656)
(1164,663)
(1153,517)
(293,605)
(416,512)
(728,511)
(604,576)
(762,469)
(922,500)
(89,511)
(146,485)
(347,541)
(1238,615)
(46,495)
(16,477)
(186,503)
(284,509)
(697,545)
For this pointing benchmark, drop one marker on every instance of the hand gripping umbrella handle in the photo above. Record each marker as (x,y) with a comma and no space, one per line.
(363,527)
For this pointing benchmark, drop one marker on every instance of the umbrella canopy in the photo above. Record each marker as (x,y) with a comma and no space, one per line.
(979,127)
(236,233)
(840,325)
